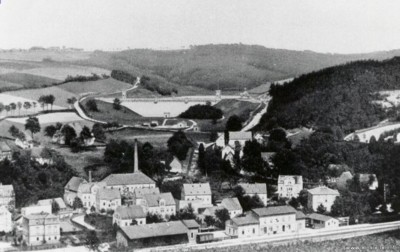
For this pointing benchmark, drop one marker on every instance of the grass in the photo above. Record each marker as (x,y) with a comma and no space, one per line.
(61,72)
(100,86)
(38,56)
(28,80)
(101,222)
(155,138)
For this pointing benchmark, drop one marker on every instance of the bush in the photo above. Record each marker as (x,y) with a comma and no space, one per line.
(92,105)
(202,112)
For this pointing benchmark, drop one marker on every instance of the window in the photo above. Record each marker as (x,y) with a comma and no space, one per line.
(55,237)
(191,235)
(37,238)
(254,230)
(242,232)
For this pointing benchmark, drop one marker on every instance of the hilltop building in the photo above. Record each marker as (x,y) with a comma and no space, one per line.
(289,186)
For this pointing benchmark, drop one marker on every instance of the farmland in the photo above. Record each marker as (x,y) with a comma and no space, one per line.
(28,80)
(38,56)
(51,118)
(61,72)
(100,86)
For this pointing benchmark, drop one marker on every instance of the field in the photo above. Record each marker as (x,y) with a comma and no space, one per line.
(61,95)
(38,56)
(51,118)
(6,85)
(61,72)
(28,80)
(100,86)
(156,138)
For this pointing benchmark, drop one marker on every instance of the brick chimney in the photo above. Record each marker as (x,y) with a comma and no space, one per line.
(136,158)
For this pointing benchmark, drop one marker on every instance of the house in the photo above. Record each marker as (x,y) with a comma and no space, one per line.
(259,189)
(276,219)
(240,137)
(127,182)
(164,233)
(197,205)
(107,199)
(71,189)
(193,228)
(267,157)
(162,204)
(6,224)
(49,202)
(322,221)
(300,220)
(199,191)
(232,205)
(341,182)
(124,215)
(140,192)
(7,195)
(321,195)
(5,151)
(26,143)
(210,211)
(36,209)
(289,186)
(176,165)
(370,180)
(87,192)
(240,227)
(41,228)
(42,155)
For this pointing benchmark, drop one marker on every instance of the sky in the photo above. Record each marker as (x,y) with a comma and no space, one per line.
(334,26)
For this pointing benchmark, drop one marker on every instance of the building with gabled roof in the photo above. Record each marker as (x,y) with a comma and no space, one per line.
(232,205)
(289,186)
(6,224)
(198,191)
(140,192)
(124,215)
(162,204)
(7,195)
(322,195)
(193,228)
(276,219)
(164,233)
(5,151)
(40,228)
(259,189)
(108,199)
(49,202)
(301,220)
(71,189)
(242,226)
(322,221)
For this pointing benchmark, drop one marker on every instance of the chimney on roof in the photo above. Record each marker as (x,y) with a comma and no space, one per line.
(90,176)
(136,158)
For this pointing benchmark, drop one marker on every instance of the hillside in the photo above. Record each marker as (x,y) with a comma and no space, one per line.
(222,66)
(337,96)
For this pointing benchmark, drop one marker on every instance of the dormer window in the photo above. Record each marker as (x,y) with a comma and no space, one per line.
(162,202)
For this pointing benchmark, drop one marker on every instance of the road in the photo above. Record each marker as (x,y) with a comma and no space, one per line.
(256,119)
(314,235)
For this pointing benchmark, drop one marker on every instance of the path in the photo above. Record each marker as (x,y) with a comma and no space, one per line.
(256,119)
(80,220)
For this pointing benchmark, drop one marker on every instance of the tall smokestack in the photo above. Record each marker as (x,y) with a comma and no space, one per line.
(90,176)
(136,158)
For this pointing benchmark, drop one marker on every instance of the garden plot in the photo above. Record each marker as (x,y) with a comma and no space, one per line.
(62,117)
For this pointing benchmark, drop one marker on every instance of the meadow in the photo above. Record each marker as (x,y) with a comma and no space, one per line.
(100,86)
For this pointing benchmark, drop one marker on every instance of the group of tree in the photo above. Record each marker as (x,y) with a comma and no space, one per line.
(84,78)
(32,124)
(91,105)
(47,100)
(247,202)
(234,123)
(16,133)
(179,145)
(117,104)
(12,107)
(202,112)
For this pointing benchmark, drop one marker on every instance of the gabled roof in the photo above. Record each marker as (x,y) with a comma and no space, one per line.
(191,224)
(323,190)
(297,179)
(231,204)
(274,210)
(197,189)
(130,212)
(87,187)
(46,202)
(249,219)
(240,135)
(136,178)
(73,184)
(300,215)
(259,188)
(108,194)
(154,230)
(154,199)
(139,192)
(320,217)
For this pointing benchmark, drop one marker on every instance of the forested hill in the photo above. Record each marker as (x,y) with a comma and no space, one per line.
(337,96)
(224,66)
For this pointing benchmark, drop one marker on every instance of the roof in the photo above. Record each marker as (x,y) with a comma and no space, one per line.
(300,215)
(4,147)
(297,179)
(109,194)
(139,192)
(320,217)
(323,190)
(365,177)
(6,190)
(46,202)
(130,212)
(197,189)
(191,224)
(274,210)
(210,211)
(40,216)
(231,204)
(249,219)
(73,183)
(154,230)
(240,135)
(135,178)
(154,199)
(267,155)
(259,188)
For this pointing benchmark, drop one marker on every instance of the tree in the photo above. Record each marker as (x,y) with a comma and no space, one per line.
(321,209)
(1,107)
(179,145)
(153,218)
(234,123)
(27,105)
(201,159)
(98,131)
(50,130)
(85,133)
(55,207)
(186,213)
(69,133)
(222,216)
(213,136)
(32,124)
(34,104)
(19,104)
(91,105)
(50,99)
(117,104)
(209,220)
(77,204)
(92,209)
(13,106)
(7,108)
(303,197)
(294,203)
(71,101)
(252,160)
(92,242)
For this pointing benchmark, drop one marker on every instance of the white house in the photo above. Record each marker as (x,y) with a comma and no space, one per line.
(232,205)
(322,221)
(6,224)
(259,189)
(71,189)
(199,191)
(7,195)
(124,215)
(162,204)
(35,210)
(241,227)
(87,193)
(40,228)
(108,199)
(321,195)
(289,186)
(140,192)
(276,220)
(300,220)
